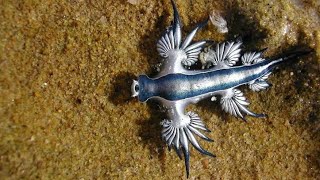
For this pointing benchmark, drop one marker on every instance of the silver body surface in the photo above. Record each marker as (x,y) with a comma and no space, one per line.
(225,68)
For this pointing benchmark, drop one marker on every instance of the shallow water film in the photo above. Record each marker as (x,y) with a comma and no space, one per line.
(65,108)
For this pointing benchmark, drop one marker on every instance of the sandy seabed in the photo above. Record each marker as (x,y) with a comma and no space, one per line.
(65,106)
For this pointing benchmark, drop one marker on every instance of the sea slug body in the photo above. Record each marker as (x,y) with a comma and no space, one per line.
(176,86)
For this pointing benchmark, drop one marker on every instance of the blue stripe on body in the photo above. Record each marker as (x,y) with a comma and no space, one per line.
(180,86)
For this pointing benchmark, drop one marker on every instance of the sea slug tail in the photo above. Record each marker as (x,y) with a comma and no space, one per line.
(252,58)
(288,56)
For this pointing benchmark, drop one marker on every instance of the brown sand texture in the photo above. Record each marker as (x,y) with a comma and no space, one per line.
(65,108)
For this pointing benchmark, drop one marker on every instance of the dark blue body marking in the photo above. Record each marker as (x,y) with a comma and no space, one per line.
(174,87)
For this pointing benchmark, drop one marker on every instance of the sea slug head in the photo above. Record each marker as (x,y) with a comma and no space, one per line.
(143,88)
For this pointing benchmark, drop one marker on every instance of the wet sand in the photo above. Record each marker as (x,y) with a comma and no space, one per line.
(65,106)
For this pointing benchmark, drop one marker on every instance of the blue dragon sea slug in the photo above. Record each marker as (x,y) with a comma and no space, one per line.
(176,85)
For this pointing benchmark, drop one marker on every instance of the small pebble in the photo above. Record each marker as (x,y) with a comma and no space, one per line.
(134,2)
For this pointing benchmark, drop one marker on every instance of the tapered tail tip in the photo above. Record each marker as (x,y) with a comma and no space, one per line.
(297,54)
